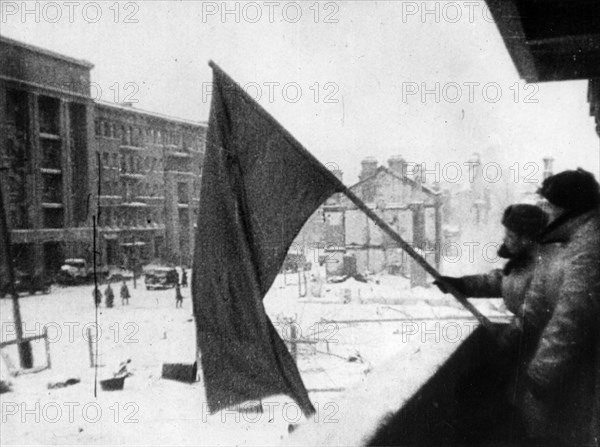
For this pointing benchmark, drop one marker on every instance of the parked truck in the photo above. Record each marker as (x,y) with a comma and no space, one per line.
(25,282)
(79,271)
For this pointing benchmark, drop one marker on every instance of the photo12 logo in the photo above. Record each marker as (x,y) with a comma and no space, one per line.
(426,331)
(270,12)
(117,92)
(445,11)
(266,411)
(473,171)
(71,412)
(291,92)
(468,91)
(72,331)
(71,12)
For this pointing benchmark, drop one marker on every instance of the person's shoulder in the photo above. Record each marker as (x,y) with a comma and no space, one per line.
(587,235)
(549,249)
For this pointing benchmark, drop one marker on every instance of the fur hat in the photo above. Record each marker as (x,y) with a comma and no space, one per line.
(573,190)
(524,219)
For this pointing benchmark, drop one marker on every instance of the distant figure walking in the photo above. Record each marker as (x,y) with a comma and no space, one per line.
(125,295)
(184,278)
(178,296)
(110,296)
(97,296)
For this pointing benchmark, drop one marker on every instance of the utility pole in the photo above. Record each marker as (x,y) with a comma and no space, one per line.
(25,353)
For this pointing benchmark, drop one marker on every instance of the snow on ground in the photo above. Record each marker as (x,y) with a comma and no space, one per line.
(421,326)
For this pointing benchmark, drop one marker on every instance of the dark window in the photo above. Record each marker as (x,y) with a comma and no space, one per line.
(49,112)
(16,108)
(52,192)
(51,154)
(182,193)
(53,218)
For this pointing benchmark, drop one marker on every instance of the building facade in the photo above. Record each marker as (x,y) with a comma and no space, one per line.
(67,159)
(149,170)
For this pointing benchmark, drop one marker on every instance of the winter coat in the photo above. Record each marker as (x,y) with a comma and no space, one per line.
(97,295)
(184,279)
(125,292)
(514,280)
(513,283)
(563,372)
(110,296)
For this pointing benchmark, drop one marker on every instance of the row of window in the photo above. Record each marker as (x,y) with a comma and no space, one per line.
(138,164)
(121,217)
(131,163)
(142,136)
(112,186)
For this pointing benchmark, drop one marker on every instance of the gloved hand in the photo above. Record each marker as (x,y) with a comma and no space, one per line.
(457,283)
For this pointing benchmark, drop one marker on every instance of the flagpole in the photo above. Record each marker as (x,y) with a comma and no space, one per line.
(483,320)
(24,347)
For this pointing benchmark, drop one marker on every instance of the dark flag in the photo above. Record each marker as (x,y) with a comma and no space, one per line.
(259,186)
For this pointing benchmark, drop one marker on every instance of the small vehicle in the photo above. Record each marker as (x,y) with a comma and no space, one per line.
(78,271)
(25,282)
(118,275)
(161,278)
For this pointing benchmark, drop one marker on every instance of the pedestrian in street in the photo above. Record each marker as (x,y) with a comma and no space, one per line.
(178,296)
(184,278)
(125,295)
(97,296)
(109,295)
(561,402)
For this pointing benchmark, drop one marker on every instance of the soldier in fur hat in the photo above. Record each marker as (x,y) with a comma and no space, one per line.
(561,405)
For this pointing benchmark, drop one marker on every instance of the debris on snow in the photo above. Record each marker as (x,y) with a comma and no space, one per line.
(66,383)
(5,387)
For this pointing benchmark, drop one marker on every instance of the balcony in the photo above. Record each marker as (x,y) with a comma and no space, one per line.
(51,171)
(135,204)
(132,175)
(131,148)
(49,136)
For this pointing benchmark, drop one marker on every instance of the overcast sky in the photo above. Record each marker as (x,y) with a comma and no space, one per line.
(337,75)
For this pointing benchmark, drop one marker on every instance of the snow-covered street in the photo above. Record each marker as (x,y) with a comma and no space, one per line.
(420,325)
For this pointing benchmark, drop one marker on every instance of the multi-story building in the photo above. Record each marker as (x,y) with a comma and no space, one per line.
(149,166)
(59,149)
